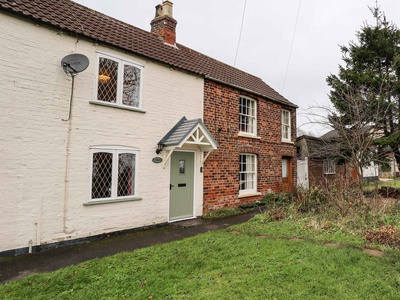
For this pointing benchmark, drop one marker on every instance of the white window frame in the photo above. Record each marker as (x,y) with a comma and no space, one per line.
(329,166)
(121,63)
(115,151)
(252,172)
(286,127)
(252,118)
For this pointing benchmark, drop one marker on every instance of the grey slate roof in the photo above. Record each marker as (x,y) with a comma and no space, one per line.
(68,16)
(330,135)
(181,131)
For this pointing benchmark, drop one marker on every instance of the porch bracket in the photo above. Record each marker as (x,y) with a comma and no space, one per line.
(166,155)
(205,156)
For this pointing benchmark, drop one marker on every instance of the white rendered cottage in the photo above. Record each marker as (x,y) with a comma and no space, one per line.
(89,153)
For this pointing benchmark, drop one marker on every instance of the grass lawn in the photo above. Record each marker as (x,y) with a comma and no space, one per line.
(395,183)
(254,260)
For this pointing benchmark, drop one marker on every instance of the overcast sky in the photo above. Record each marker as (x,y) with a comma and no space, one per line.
(212,27)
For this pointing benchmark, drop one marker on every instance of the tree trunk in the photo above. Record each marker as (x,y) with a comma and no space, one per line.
(396,152)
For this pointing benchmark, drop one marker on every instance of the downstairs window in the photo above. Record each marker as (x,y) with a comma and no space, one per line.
(248,174)
(113,173)
(329,166)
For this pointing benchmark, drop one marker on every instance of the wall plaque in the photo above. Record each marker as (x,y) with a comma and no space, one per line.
(156,160)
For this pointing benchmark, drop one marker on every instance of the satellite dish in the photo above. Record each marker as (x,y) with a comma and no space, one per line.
(74,63)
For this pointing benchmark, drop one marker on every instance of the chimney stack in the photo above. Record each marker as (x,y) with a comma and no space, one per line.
(164,23)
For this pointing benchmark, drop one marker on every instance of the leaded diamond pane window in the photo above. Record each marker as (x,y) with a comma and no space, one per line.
(119,82)
(131,90)
(126,174)
(248,115)
(101,175)
(108,80)
(113,173)
(248,173)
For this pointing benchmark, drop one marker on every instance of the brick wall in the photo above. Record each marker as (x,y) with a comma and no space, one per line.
(319,179)
(165,27)
(221,172)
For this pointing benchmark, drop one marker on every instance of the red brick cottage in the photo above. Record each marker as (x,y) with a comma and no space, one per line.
(256,153)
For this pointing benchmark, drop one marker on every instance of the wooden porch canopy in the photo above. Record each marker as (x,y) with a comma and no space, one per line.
(184,133)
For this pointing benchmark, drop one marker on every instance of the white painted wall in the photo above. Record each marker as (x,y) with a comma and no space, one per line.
(371,171)
(302,173)
(42,200)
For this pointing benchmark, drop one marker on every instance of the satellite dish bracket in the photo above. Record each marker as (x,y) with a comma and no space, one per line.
(72,65)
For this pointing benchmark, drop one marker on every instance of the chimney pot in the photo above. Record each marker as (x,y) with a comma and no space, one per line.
(167,8)
(159,9)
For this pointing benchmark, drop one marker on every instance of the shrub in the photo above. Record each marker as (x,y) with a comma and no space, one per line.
(344,195)
(277,199)
(275,214)
(310,200)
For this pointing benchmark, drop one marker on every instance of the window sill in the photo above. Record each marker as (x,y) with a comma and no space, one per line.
(249,195)
(249,135)
(287,142)
(108,201)
(117,106)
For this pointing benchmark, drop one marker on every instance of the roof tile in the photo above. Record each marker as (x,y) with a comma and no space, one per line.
(71,16)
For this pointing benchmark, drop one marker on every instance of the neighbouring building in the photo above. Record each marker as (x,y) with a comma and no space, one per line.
(314,166)
(317,168)
(107,127)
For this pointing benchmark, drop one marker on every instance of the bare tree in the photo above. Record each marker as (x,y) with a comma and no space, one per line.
(351,139)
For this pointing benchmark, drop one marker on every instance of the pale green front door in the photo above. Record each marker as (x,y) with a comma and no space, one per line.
(182,186)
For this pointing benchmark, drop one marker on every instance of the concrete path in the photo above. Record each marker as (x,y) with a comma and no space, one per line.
(13,268)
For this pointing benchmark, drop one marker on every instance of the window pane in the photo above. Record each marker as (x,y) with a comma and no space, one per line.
(285,117)
(243,177)
(329,166)
(285,132)
(242,163)
(107,80)
(243,122)
(247,174)
(252,108)
(101,175)
(250,125)
(247,115)
(285,125)
(126,174)
(284,168)
(250,181)
(131,91)
(250,163)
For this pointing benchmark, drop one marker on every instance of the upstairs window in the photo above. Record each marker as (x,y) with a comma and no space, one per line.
(113,173)
(119,82)
(248,173)
(248,116)
(286,128)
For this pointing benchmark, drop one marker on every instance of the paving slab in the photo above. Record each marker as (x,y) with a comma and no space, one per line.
(191,223)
